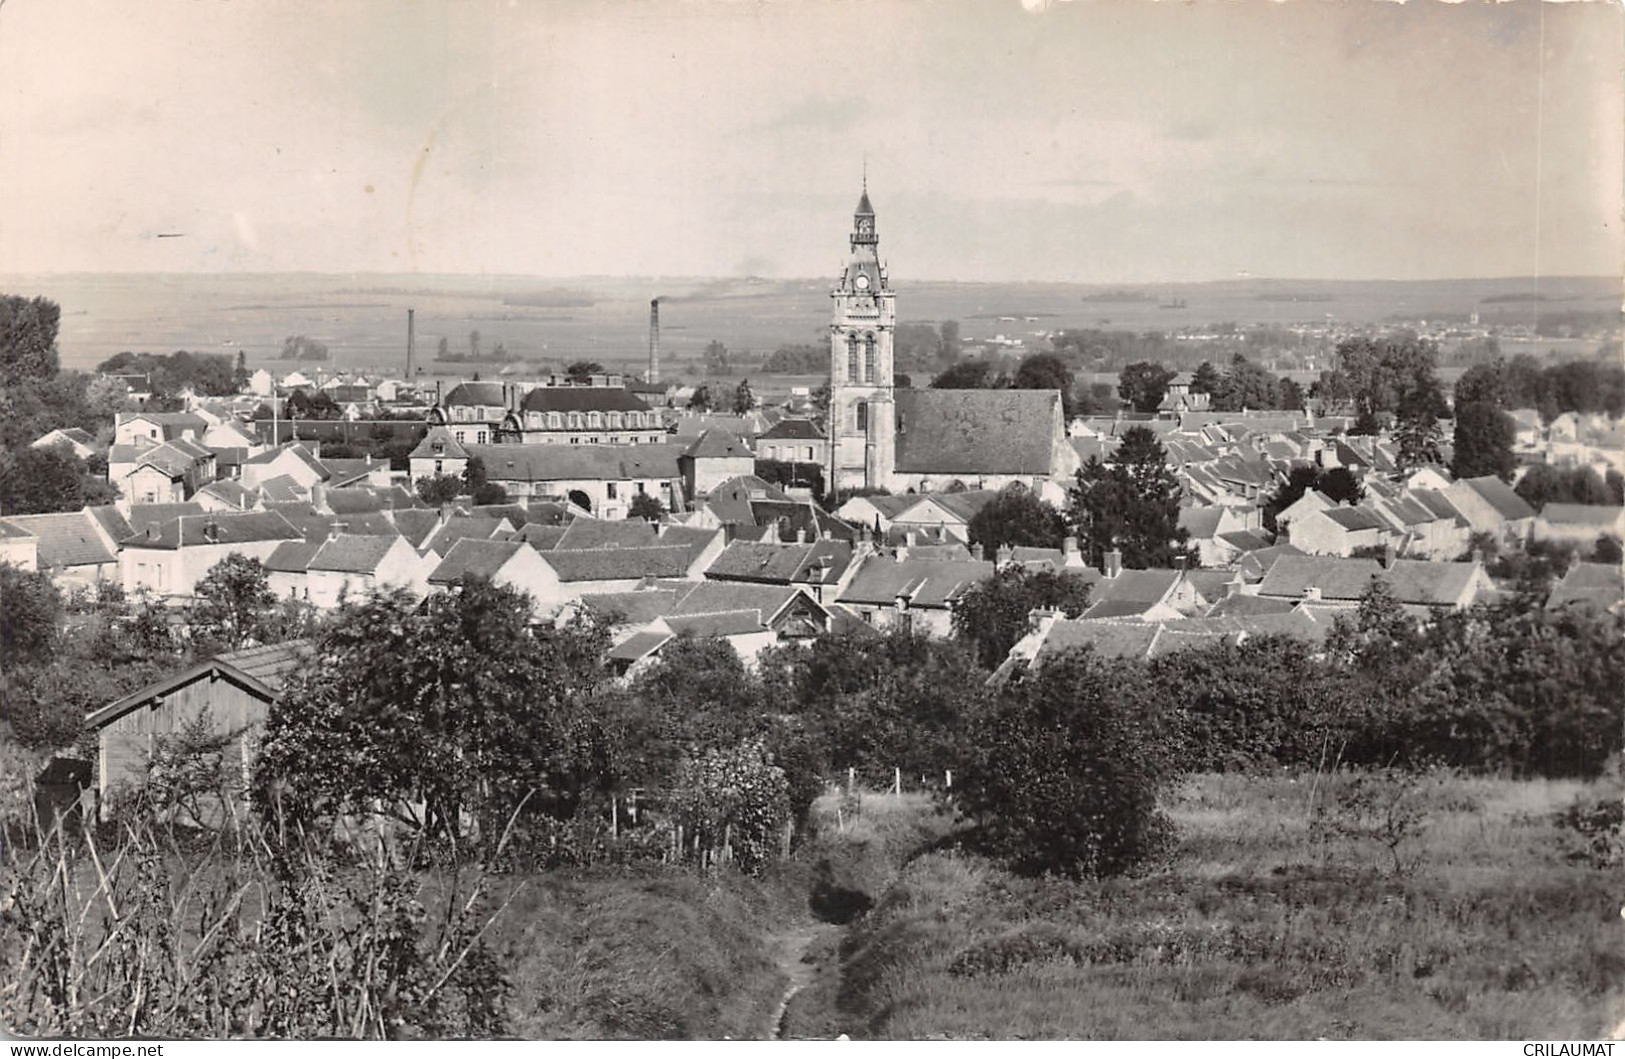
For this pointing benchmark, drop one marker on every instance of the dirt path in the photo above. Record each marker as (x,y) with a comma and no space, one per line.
(788,950)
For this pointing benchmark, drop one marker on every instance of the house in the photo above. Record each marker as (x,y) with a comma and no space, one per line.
(822,567)
(1207,527)
(232,693)
(438,455)
(18,547)
(511,564)
(917,594)
(1426,525)
(155,428)
(573,414)
(170,558)
(1337,531)
(291,461)
(78,440)
(350,566)
(166,473)
(942,516)
(749,617)
(1143,595)
(1418,585)
(791,440)
(716,456)
(1580,524)
(71,546)
(225,495)
(1490,506)
(874,512)
(473,411)
(287,568)
(600,479)
(1594,588)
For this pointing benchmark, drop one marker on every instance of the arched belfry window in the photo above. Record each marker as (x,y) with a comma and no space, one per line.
(869,357)
(852,358)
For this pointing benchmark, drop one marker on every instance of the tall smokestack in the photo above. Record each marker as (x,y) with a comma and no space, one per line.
(410,337)
(654,340)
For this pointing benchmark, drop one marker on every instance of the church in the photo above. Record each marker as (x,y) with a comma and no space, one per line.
(922,441)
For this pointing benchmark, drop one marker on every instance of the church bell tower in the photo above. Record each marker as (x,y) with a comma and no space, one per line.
(862,417)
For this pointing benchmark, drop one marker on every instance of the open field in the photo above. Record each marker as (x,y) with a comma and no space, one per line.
(362,318)
(1268,921)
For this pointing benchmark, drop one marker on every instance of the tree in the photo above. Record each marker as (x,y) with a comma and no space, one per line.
(701,400)
(1245,386)
(239,374)
(821,398)
(1206,378)
(1291,395)
(1544,484)
(1482,384)
(1132,505)
(299,347)
(1144,384)
(232,602)
(1484,437)
(966,375)
(443,349)
(456,705)
(1046,371)
(440,489)
(1298,482)
(744,400)
(36,481)
(1016,516)
(28,329)
(1340,486)
(474,344)
(1380,372)
(582,371)
(997,612)
(646,506)
(1064,772)
(1417,427)
(32,615)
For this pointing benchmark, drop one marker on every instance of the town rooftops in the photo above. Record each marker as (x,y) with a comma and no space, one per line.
(474,558)
(724,623)
(439,443)
(718,445)
(1496,493)
(607,533)
(65,539)
(481,394)
(1601,517)
(348,553)
(974,432)
(792,429)
(638,646)
(219,528)
(924,583)
(571,463)
(1353,519)
(618,564)
(293,557)
(1596,587)
(582,399)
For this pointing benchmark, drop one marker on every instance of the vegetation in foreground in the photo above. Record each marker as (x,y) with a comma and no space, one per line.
(1365,906)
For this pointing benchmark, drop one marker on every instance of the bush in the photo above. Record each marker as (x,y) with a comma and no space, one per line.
(1063,773)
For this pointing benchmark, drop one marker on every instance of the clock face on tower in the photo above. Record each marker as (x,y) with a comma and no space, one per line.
(862,282)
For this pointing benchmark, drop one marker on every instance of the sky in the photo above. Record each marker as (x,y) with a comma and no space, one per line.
(1103,142)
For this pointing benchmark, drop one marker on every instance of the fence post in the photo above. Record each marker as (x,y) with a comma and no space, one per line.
(614,817)
(897,782)
(851,780)
(948,778)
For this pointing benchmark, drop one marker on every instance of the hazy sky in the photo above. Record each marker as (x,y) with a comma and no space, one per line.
(1109,141)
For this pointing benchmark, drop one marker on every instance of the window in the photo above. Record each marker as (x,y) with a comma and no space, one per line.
(860,414)
(869,357)
(615,421)
(610,490)
(479,438)
(439,465)
(554,420)
(594,420)
(852,358)
(574,420)
(641,489)
(459,436)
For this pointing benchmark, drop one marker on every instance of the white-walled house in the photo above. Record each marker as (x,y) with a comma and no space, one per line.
(351,566)
(511,564)
(170,558)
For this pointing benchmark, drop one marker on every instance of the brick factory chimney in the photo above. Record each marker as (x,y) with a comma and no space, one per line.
(654,340)
(411,337)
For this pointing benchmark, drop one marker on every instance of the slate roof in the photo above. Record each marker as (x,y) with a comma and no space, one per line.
(638,646)
(228,527)
(173,458)
(891,506)
(231,492)
(727,623)
(349,553)
(560,463)
(718,445)
(1342,579)
(763,562)
(618,564)
(355,499)
(793,429)
(1119,608)
(66,539)
(282,489)
(439,443)
(462,527)
(1109,639)
(1243,606)
(1246,540)
(633,608)
(1506,503)
(1437,504)
(344,472)
(542,538)
(8,530)
(473,558)
(77,434)
(695,539)
(1595,587)
(605,533)
(116,525)
(926,583)
(976,431)
(293,557)
(1200,522)
(1353,519)
(581,399)
(1137,586)
(415,525)
(1421,582)
(482,394)
(712,597)
(966,503)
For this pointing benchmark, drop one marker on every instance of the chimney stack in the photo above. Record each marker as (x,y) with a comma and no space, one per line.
(654,340)
(1387,555)
(1003,555)
(1113,563)
(1312,593)
(411,338)
(976,551)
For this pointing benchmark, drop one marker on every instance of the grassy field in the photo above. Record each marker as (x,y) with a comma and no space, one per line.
(1447,909)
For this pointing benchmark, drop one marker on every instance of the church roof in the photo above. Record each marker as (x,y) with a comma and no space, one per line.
(864,208)
(976,431)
